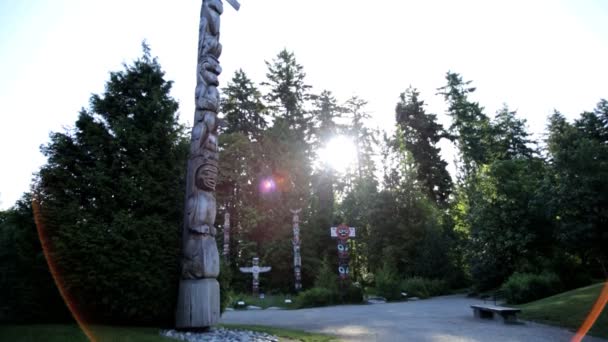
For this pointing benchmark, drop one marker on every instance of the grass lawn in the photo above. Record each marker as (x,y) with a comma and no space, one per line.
(568,309)
(268,301)
(72,333)
(285,334)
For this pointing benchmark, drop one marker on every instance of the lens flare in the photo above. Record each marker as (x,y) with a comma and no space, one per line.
(340,153)
(268,185)
(47,250)
(597,309)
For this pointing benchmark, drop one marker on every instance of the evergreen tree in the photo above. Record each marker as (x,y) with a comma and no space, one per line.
(363,136)
(242,106)
(578,156)
(28,291)
(470,126)
(511,140)
(112,197)
(421,133)
(287,92)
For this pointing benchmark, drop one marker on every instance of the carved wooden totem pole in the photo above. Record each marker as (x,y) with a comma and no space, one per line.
(198,303)
(227,237)
(255,271)
(297,258)
(343,233)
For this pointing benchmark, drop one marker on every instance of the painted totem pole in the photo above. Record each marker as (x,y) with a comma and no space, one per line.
(198,303)
(343,233)
(255,271)
(227,236)
(297,259)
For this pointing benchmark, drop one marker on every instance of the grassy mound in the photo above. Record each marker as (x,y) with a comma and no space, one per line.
(568,309)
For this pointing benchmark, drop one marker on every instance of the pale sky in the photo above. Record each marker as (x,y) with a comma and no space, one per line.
(534,55)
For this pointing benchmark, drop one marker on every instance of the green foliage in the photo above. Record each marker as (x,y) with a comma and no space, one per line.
(387,283)
(317,296)
(327,277)
(526,287)
(225,280)
(423,287)
(577,185)
(242,106)
(470,126)
(352,294)
(420,134)
(111,199)
(28,290)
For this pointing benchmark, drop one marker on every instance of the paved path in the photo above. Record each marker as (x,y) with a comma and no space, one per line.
(440,319)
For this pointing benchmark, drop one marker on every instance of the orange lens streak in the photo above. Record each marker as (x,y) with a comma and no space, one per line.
(597,309)
(46,247)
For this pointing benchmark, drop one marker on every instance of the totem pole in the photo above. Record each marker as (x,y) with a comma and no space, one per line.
(256,270)
(297,259)
(343,233)
(198,303)
(227,236)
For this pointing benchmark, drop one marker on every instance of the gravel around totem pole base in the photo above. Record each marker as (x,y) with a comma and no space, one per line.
(220,334)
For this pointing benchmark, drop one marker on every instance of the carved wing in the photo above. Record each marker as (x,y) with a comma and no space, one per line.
(234,4)
(246,269)
(265,269)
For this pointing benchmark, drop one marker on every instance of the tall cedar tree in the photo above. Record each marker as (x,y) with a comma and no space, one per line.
(470,126)
(286,160)
(112,197)
(242,107)
(241,166)
(578,155)
(421,133)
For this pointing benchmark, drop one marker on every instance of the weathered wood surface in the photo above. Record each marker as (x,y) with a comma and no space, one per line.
(198,303)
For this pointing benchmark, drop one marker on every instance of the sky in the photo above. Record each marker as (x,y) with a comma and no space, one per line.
(536,56)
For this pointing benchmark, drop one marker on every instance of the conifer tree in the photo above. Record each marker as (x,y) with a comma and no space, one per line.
(421,134)
(112,198)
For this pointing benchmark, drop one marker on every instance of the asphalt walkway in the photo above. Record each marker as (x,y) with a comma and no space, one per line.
(439,319)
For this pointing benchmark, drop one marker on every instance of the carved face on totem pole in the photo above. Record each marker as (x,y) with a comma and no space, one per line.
(343,271)
(206,177)
(342,249)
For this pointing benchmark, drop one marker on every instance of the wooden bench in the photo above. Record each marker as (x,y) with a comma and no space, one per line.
(487,311)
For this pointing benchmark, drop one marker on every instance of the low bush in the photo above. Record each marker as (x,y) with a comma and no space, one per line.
(317,296)
(353,294)
(387,283)
(423,287)
(526,287)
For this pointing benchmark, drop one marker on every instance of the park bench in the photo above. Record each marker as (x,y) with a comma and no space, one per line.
(487,311)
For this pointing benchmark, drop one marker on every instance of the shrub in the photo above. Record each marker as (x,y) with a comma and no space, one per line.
(387,283)
(353,294)
(423,287)
(526,287)
(327,277)
(317,296)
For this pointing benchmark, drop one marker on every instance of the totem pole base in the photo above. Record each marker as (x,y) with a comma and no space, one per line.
(198,304)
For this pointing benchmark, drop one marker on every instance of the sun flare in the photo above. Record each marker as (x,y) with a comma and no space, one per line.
(340,153)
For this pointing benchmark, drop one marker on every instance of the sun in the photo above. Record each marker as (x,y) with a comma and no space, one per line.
(340,153)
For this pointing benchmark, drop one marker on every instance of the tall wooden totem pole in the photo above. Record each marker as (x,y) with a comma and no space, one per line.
(297,258)
(198,303)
